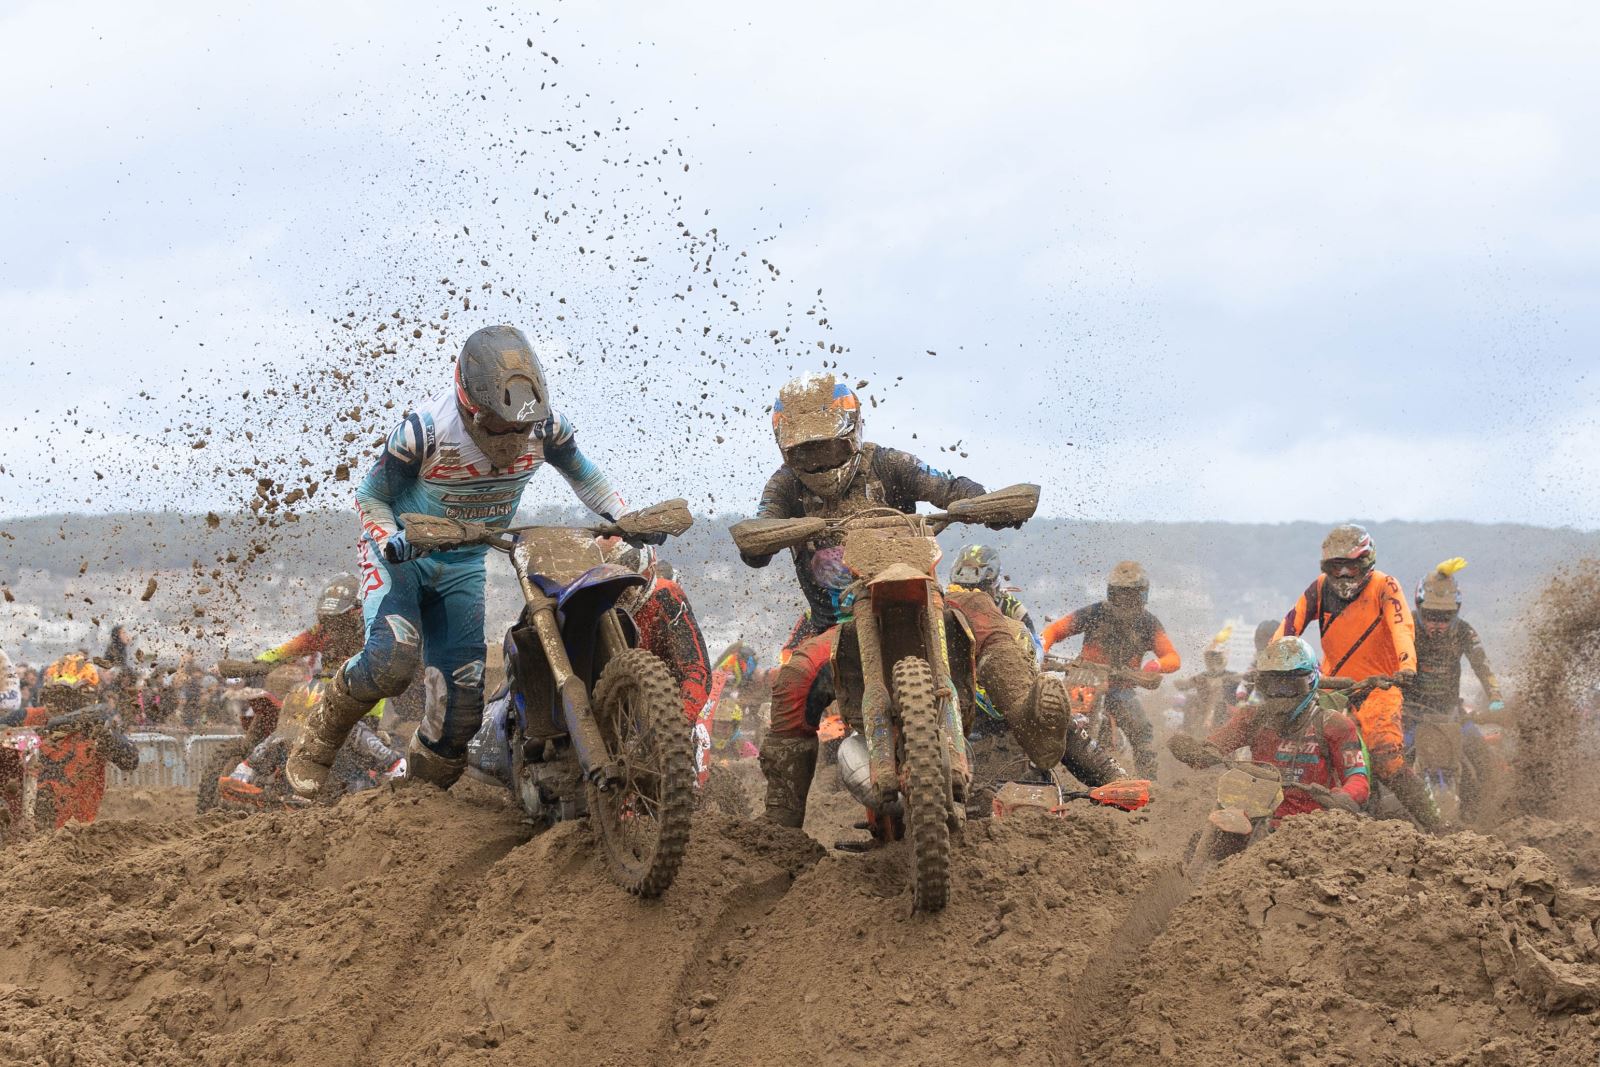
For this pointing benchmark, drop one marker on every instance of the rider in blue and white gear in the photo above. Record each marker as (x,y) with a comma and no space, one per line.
(466,453)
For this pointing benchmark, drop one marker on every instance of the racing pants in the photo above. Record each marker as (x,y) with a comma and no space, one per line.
(1125,710)
(1379,717)
(429,612)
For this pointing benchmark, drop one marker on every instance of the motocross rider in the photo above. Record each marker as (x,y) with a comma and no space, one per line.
(466,453)
(1005,649)
(72,765)
(1297,727)
(1367,632)
(828,471)
(1214,691)
(1118,631)
(667,626)
(1443,638)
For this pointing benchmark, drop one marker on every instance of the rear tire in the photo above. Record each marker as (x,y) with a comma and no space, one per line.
(222,762)
(926,781)
(643,822)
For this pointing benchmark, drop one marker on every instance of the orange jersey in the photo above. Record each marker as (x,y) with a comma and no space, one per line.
(1372,635)
(1117,642)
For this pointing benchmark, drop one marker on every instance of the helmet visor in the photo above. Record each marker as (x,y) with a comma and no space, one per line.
(495,426)
(815,457)
(1282,685)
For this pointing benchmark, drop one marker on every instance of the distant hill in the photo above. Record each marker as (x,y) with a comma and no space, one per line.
(1204,573)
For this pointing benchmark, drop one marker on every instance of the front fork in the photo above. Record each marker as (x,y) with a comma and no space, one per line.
(877,703)
(582,729)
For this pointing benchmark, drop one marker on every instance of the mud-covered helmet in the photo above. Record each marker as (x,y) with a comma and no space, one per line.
(1127,588)
(1264,632)
(641,560)
(70,683)
(977,567)
(1286,668)
(501,392)
(817,422)
(1439,597)
(1348,556)
(341,594)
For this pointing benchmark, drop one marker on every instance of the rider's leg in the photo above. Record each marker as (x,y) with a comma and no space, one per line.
(452,638)
(392,614)
(1087,761)
(1379,718)
(1131,719)
(789,749)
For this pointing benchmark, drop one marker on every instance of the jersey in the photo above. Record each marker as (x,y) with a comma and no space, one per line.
(1371,635)
(1113,640)
(1321,746)
(431,466)
(668,628)
(1438,682)
(887,478)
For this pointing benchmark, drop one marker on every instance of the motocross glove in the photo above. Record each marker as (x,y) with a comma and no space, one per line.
(396,549)
(1192,751)
(1497,705)
(1332,799)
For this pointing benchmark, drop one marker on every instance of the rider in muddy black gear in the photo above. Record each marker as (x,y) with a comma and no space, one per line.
(465,453)
(1118,631)
(829,472)
(1213,692)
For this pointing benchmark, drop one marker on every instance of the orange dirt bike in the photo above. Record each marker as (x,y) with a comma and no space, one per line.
(1087,685)
(892,666)
(590,724)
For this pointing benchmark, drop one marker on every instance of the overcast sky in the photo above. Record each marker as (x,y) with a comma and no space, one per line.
(1183,261)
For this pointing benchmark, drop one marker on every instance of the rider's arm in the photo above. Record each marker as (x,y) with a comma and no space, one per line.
(1302,615)
(1347,756)
(780,499)
(915,480)
(1060,630)
(1235,733)
(1167,659)
(117,748)
(588,481)
(307,643)
(1402,629)
(398,465)
(1472,648)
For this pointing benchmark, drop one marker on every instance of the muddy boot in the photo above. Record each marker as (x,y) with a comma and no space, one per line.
(1087,761)
(423,764)
(788,763)
(1043,721)
(1414,794)
(330,722)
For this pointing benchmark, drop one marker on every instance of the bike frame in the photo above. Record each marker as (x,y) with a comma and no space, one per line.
(900,613)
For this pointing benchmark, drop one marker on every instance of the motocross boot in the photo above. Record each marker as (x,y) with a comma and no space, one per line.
(1043,722)
(423,764)
(1087,761)
(330,722)
(789,764)
(1412,792)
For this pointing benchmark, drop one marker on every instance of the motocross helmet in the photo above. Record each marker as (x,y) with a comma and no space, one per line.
(501,392)
(1439,598)
(1347,559)
(739,660)
(1287,669)
(641,560)
(1127,589)
(342,594)
(817,422)
(977,567)
(1216,659)
(70,683)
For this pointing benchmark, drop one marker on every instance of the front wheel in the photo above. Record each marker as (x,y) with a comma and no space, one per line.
(643,820)
(926,783)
